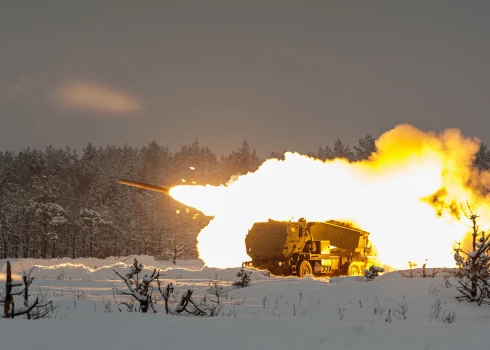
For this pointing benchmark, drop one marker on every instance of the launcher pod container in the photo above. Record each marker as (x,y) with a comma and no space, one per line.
(303,248)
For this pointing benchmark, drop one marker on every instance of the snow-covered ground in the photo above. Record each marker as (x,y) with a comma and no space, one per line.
(274,313)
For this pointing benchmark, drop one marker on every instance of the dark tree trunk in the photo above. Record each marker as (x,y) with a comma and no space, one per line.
(73,242)
(4,247)
(53,249)
(144,306)
(45,239)
(91,251)
(25,252)
(82,254)
(26,293)
(160,246)
(114,244)
(9,299)
(45,248)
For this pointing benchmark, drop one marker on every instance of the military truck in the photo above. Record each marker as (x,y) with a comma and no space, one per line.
(303,248)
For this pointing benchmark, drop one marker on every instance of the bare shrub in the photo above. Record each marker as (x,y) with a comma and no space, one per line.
(166,293)
(448,317)
(107,305)
(401,308)
(436,310)
(40,308)
(189,305)
(417,273)
(79,294)
(388,317)
(140,289)
(341,313)
(434,290)
(216,294)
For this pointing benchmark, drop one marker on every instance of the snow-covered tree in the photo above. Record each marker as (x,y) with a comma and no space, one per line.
(278,155)
(195,164)
(482,158)
(244,278)
(473,275)
(325,153)
(91,221)
(366,147)
(9,207)
(341,150)
(139,288)
(241,161)
(373,272)
(49,214)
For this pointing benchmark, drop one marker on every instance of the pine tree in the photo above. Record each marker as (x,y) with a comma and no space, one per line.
(241,161)
(473,274)
(341,150)
(366,147)
(482,158)
(8,212)
(325,153)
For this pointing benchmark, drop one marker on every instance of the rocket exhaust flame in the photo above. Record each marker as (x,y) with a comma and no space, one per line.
(408,195)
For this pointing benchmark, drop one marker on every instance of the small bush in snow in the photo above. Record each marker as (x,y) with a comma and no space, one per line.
(341,313)
(188,304)
(401,308)
(373,272)
(140,289)
(449,317)
(378,310)
(388,317)
(107,305)
(473,274)
(214,303)
(437,313)
(436,309)
(424,273)
(78,295)
(166,293)
(243,278)
(434,290)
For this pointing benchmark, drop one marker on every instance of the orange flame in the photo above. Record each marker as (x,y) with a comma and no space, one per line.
(407,195)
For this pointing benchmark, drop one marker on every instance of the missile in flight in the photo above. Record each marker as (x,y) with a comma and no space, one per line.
(161,189)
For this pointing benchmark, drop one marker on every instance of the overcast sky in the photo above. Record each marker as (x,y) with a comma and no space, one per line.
(279,74)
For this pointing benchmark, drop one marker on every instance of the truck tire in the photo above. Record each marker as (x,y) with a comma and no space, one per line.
(305,269)
(355,269)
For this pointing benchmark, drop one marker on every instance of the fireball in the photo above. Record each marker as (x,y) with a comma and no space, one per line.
(408,195)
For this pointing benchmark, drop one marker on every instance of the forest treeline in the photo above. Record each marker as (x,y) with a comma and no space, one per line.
(58,203)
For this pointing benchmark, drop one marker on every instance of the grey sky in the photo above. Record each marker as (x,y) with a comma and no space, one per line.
(280,74)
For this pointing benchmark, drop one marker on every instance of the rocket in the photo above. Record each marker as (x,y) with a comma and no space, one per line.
(162,189)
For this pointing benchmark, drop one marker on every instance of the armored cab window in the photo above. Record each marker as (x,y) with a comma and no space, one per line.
(301,231)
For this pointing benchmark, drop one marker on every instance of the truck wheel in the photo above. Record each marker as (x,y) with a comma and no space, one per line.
(355,269)
(305,269)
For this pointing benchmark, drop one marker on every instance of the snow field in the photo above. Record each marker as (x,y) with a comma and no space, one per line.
(272,313)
